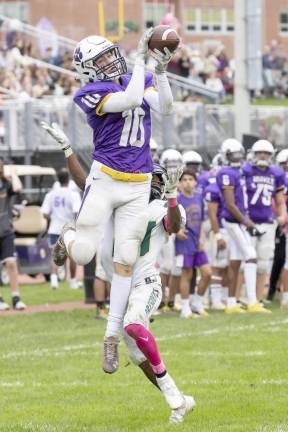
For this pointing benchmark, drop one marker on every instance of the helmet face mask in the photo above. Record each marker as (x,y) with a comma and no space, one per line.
(159,179)
(97,59)
(262,154)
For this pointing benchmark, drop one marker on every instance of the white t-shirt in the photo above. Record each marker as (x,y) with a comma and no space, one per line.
(61,204)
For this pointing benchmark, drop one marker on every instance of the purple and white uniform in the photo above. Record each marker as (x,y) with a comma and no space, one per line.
(203,181)
(217,258)
(120,176)
(115,133)
(186,251)
(261,186)
(240,244)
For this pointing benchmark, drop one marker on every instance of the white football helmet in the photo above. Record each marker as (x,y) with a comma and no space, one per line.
(232,152)
(153,144)
(97,59)
(192,158)
(262,146)
(171,159)
(282,157)
(217,162)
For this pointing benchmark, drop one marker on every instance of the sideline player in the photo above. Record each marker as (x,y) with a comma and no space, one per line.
(7,248)
(117,106)
(59,207)
(238,224)
(264,183)
(189,246)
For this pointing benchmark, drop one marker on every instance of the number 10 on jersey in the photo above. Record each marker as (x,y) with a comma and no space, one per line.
(133,130)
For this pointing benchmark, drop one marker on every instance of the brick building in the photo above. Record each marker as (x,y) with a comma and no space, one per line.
(204,23)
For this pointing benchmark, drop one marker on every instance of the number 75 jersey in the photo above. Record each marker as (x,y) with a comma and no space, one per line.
(121,139)
(261,187)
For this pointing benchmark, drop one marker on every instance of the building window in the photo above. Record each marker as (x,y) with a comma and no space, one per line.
(16,9)
(209,20)
(283,22)
(153,13)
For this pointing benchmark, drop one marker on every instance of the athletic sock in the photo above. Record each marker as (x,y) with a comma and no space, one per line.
(185,306)
(231,302)
(54,280)
(250,282)
(119,294)
(146,343)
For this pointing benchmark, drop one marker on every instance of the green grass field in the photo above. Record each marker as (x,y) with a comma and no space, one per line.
(52,381)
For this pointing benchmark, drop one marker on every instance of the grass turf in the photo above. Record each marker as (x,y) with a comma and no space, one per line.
(51,377)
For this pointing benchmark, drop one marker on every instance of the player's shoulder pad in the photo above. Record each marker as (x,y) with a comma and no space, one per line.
(277,170)
(247,168)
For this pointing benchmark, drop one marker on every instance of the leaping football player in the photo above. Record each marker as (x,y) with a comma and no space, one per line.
(146,292)
(117,106)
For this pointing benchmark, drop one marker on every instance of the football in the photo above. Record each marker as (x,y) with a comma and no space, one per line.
(164,36)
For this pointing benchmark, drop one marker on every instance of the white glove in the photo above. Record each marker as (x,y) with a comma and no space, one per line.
(162,59)
(143,44)
(171,184)
(58,135)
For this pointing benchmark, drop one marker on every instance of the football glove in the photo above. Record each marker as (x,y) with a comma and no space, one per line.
(143,44)
(171,183)
(59,136)
(254,232)
(162,59)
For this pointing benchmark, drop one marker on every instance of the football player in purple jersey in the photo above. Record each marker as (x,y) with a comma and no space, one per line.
(189,247)
(117,106)
(238,224)
(264,183)
(218,239)
(282,161)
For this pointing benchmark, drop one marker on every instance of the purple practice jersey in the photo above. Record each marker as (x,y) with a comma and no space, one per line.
(261,187)
(194,216)
(231,178)
(121,139)
(213,194)
(203,181)
(286,188)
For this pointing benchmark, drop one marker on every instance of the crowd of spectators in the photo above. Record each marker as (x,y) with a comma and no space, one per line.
(21,77)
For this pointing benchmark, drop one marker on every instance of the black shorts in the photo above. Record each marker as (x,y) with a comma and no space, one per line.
(7,248)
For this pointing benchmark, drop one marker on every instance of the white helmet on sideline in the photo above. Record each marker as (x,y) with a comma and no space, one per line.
(217,162)
(282,157)
(262,146)
(86,58)
(232,152)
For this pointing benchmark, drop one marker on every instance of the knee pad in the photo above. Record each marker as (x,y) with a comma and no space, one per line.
(82,252)
(127,252)
(136,356)
(262,266)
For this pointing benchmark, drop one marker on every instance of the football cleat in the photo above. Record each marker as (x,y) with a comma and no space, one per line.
(173,396)
(257,307)
(110,354)
(178,414)
(188,315)
(19,305)
(234,310)
(101,313)
(59,252)
(217,305)
(201,312)
(4,306)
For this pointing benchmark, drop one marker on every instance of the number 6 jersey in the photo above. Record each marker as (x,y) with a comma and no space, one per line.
(121,139)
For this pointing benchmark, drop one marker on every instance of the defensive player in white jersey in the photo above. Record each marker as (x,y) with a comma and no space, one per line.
(60,206)
(164,217)
(169,273)
(117,106)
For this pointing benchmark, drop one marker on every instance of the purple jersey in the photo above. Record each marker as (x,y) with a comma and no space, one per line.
(286,188)
(203,180)
(231,178)
(194,216)
(121,139)
(213,194)
(261,187)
